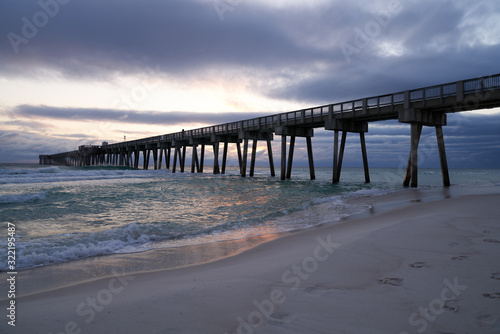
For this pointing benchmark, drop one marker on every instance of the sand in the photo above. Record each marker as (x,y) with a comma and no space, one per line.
(427,267)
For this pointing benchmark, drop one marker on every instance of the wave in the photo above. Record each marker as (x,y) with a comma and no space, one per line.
(136,237)
(105,168)
(130,238)
(63,174)
(126,239)
(371,192)
(25,171)
(22,198)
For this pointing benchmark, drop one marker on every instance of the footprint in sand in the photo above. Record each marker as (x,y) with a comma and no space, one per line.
(492,240)
(493,295)
(418,265)
(278,318)
(495,276)
(391,281)
(460,258)
(488,321)
(317,289)
(451,304)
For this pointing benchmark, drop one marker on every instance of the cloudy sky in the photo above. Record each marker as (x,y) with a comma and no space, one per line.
(80,72)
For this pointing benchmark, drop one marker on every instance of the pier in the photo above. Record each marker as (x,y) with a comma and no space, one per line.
(421,107)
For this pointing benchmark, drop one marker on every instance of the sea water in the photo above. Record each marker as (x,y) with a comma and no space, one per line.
(64,214)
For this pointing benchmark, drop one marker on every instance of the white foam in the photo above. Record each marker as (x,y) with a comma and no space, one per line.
(370,192)
(330,199)
(21,198)
(58,174)
(65,247)
(48,170)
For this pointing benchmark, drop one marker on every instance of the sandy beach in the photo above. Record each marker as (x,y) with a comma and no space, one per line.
(429,266)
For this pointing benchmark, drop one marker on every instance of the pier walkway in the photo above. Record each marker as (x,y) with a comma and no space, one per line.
(426,106)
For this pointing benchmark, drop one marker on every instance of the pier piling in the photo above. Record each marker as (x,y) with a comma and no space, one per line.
(426,106)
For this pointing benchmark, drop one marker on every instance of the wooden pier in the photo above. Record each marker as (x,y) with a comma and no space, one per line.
(426,106)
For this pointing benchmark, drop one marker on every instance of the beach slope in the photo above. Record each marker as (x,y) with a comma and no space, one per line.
(429,267)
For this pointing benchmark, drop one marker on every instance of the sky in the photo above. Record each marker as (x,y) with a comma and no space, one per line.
(82,72)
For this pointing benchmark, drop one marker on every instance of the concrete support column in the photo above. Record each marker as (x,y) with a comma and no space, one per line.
(335,177)
(161,158)
(341,154)
(145,159)
(442,156)
(155,157)
(254,156)
(346,125)
(240,158)
(418,118)
(243,167)
(183,158)
(136,158)
(177,155)
(312,173)
(270,155)
(216,158)
(168,156)
(290,157)
(202,158)
(283,157)
(365,157)
(195,164)
(412,168)
(224,157)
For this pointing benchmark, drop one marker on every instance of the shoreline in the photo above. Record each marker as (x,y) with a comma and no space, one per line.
(52,277)
(68,273)
(368,274)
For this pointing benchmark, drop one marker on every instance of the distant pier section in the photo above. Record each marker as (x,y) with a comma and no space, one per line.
(426,106)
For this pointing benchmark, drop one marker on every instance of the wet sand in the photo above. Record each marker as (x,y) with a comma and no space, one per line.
(430,266)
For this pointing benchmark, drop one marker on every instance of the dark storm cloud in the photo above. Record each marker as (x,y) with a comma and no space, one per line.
(297,52)
(435,49)
(25,146)
(92,37)
(96,39)
(127,116)
(472,140)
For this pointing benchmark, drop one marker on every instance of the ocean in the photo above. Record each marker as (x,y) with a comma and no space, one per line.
(65,214)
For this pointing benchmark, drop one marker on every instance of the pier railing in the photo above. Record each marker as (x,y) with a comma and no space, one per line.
(360,107)
(424,106)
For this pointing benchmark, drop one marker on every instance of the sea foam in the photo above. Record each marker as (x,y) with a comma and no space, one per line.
(21,198)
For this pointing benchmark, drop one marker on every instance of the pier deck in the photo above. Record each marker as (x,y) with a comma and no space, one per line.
(426,106)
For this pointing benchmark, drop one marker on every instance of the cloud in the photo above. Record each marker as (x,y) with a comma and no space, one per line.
(296,47)
(93,38)
(471,140)
(22,146)
(282,51)
(127,116)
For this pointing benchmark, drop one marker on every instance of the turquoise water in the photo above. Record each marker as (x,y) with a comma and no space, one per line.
(68,213)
